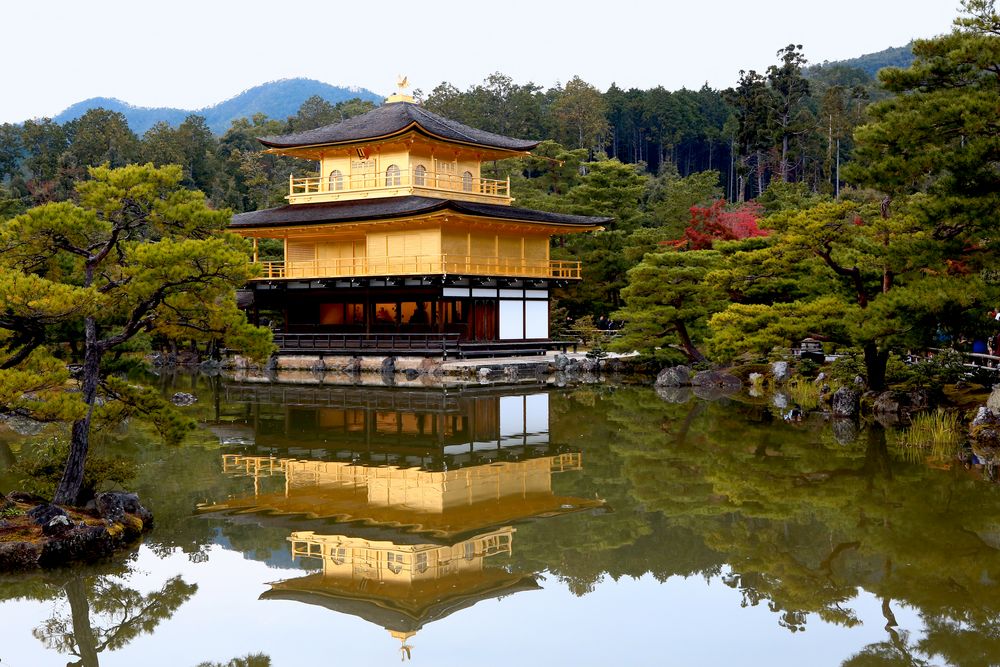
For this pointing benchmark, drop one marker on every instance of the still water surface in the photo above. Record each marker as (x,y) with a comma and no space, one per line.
(527,525)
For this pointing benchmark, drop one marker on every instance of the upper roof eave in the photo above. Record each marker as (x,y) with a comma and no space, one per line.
(390,120)
(400,207)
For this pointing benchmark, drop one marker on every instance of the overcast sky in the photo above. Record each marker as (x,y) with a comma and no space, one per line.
(195,53)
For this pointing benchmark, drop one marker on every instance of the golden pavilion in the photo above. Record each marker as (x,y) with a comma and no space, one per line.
(401,246)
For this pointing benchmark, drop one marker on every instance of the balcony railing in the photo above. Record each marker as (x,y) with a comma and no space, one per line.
(347,267)
(383,182)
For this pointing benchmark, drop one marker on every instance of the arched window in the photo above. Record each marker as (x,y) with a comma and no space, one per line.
(392,175)
(419,174)
(336,180)
(467,181)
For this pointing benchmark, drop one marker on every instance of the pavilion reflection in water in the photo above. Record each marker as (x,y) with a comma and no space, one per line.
(431,429)
(411,512)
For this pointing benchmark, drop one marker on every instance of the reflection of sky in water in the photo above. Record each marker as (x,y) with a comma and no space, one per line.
(629,622)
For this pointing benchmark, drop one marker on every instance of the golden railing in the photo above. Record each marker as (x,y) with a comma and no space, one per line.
(449,182)
(345,267)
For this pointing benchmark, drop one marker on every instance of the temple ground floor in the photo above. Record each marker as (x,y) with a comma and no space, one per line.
(421,316)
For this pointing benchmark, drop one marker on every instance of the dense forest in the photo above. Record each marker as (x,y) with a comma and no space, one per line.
(803,201)
(782,122)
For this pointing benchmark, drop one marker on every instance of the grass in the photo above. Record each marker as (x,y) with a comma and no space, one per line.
(804,393)
(938,433)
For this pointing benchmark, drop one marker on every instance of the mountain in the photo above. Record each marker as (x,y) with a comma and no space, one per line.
(276,99)
(871,63)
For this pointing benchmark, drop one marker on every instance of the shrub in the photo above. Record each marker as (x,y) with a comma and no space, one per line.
(40,468)
(846,368)
(946,367)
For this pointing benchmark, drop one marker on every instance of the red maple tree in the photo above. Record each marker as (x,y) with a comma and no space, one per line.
(714,223)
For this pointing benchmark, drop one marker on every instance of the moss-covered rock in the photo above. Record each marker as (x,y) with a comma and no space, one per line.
(41,535)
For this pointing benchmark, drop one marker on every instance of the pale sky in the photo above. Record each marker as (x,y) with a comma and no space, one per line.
(191,54)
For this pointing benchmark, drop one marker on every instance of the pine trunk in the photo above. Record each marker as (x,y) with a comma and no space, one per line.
(689,349)
(875,363)
(69,487)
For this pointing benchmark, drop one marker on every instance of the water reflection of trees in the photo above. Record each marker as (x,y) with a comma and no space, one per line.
(96,611)
(800,520)
(785,514)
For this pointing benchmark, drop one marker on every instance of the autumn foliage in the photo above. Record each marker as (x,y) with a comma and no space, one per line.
(715,223)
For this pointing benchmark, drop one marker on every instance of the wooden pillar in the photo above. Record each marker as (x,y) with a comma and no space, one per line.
(368,310)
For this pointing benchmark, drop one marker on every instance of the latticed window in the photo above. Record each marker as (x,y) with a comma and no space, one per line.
(392,175)
(336,180)
(467,181)
(421,565)
(419,174)
(394,561)
(338,555)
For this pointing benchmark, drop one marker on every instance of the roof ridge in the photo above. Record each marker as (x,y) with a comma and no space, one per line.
(450,123)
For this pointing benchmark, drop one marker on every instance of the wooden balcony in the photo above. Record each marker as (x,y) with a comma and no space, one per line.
(421,265)
(401,182)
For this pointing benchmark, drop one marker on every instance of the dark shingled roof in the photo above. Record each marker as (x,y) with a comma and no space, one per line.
(396,616)
(397,207)
(395,118)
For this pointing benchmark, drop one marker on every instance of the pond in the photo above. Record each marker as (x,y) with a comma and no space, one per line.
(525,524)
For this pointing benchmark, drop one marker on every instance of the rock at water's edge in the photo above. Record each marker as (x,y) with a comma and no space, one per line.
(845,402)
(673,376)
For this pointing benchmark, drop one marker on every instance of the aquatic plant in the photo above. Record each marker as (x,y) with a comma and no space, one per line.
(938,433)
(803,392)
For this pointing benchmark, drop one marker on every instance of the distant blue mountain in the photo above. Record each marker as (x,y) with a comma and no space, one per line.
(871,63)
(276,99)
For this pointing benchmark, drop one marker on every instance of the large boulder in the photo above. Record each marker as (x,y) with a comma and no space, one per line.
(589,365)
(15,556)
(613,365)
(43,514)
(717,379)
(560,362)
(673,376)
(59,525)
(984,431)
(845,402)
(993,402)
(900,403)
(112,506)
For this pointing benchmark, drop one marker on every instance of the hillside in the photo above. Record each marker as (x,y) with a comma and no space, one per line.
(276,99)
(871,63)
